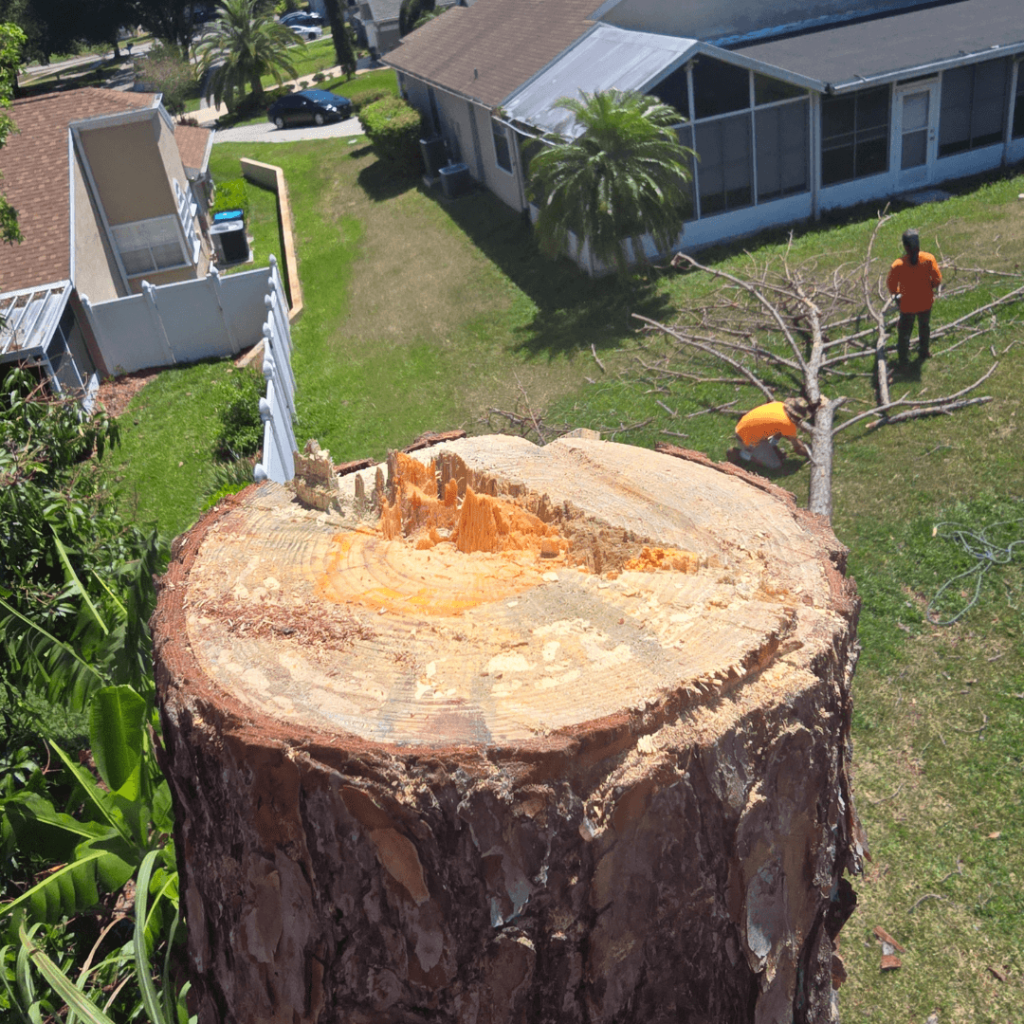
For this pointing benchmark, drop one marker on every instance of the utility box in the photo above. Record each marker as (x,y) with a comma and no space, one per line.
(456,181)
(432,151)
(229,241)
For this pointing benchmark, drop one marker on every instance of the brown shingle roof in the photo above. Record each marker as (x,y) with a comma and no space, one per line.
(485,52)
(34,164)
(192,143)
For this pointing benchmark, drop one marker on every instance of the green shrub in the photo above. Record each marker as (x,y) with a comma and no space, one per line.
(364,99)
(241,429)
(394,128)
(319,77)
(228,478)
(232,195)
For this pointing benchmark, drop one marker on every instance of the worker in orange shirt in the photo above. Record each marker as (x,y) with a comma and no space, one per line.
(758,432)
(914,280)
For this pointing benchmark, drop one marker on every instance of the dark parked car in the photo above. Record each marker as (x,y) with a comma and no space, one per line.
(311,106)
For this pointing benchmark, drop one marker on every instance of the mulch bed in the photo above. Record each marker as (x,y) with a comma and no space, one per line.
(115,393)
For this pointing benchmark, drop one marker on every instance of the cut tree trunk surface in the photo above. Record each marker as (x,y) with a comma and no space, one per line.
(522,734)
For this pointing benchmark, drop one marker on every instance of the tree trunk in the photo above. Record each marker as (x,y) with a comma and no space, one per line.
(523,735)
(819,498)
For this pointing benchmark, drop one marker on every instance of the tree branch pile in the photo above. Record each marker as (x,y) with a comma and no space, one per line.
(789,327)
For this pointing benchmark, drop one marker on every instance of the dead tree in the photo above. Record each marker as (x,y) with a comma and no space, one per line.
(788,328)
(503,734)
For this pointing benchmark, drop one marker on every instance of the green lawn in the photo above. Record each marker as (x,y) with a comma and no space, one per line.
(308,58)
(426,315)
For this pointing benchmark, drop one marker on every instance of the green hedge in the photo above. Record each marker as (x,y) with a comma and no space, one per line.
(232,195)
(394,128)
(364,99)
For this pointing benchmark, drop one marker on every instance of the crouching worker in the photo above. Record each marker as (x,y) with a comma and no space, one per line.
(758,432)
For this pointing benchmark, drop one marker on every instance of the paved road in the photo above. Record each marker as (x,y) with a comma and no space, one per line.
(266,132)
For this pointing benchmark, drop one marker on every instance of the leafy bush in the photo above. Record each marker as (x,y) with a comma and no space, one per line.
(394,128)
(228,478)
(319,77)
(364,99)
(232,195)
(241,430)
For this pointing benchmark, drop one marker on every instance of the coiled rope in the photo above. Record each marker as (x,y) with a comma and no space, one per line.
(985,552)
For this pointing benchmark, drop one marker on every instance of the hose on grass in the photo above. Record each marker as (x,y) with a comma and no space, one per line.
(985,552)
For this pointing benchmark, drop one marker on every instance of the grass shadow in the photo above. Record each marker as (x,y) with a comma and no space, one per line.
(573,310)
(381,181)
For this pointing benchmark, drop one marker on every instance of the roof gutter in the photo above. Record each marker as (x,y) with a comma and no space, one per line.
(920,70)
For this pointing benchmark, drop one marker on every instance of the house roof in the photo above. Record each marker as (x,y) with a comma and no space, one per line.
(36,180)
(607,57)
(897,46)
(193,146)
(487,51)
(384,10)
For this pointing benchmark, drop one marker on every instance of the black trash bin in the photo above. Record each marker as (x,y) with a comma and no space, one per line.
(432,150)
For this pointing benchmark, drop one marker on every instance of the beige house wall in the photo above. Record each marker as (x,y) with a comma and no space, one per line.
(129,171)
(504,184)
(458,128)
(96,272)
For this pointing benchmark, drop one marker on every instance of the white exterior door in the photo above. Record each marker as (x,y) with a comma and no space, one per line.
(915,127)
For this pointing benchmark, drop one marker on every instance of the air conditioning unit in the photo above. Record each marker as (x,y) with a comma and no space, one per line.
(229,241)
(456,181)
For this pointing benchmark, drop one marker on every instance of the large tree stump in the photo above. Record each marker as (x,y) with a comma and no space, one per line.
(561,736)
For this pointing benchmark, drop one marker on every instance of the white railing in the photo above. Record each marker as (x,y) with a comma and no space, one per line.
(277,409)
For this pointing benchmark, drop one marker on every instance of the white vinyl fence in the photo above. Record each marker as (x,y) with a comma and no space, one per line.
(207,318)
(203,318)
(277,409)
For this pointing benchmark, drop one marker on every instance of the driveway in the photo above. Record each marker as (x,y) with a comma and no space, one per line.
(266,132)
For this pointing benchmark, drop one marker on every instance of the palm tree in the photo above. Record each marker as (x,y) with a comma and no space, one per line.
(342,43)
(625,176)
(245,44)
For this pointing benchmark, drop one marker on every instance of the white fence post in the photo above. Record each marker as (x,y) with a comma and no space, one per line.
(213,277)
(277,409)
(149,291)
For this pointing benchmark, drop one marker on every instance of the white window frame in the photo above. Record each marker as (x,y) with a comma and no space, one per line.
(187,209)
(154,226)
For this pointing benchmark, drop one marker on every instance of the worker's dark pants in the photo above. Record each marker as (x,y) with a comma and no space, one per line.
(905,329)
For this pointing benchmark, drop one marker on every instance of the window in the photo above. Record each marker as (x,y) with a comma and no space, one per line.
(146,246)
(973,109)
(782,150)
(502,156)
(187,215)
(724,177)
(855,135)
(719,88)
(1018,107)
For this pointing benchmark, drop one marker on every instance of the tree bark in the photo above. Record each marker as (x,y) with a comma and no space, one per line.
(523,734)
